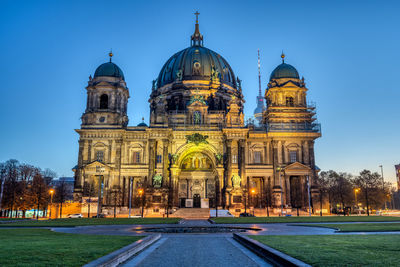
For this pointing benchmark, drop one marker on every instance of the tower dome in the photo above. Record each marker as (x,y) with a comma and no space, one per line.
(109,69)
(284,71)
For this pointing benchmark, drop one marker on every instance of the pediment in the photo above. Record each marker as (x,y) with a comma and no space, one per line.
(197,103)
(97,167)
(297,166)
(290,84)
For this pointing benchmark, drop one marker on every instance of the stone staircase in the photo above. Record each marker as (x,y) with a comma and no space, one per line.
(192,213)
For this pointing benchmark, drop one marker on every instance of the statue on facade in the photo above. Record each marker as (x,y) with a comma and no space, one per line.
(218,158)
(157,180)
(239,83)
(179,75)
(236,181)
(154,85)
(214,74)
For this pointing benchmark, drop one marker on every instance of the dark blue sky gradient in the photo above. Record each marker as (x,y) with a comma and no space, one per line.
(348,52)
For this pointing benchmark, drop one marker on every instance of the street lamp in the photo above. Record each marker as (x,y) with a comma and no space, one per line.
(99,170)
(253,192)
(356,190)
(51,199)
(280,184)
(383,185)
(140,192)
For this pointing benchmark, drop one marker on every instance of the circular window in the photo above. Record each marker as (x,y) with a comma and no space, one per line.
(196,65)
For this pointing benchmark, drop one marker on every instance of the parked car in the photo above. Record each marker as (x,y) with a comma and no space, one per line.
(76,215)
(246,214)
(221,213)
(100,216)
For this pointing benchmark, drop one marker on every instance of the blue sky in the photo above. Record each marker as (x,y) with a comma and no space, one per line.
(348,52)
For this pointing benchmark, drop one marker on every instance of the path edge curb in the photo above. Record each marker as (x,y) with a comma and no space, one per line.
(270,254)
(119,256)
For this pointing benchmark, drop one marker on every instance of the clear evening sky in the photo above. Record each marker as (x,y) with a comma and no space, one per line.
(348,52)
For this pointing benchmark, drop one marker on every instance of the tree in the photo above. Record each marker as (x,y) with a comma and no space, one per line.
(324,185)
(343,188)
(89,191)
(11,184)
(369,184)
(2,181)
(61,194)
(39,192)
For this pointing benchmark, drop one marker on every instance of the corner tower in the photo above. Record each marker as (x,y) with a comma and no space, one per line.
(291,125)
(107,98)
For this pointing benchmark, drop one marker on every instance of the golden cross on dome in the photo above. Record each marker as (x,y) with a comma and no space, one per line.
(110,54)
(197,16)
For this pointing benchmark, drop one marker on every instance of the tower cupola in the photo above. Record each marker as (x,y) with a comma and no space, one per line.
(107,98)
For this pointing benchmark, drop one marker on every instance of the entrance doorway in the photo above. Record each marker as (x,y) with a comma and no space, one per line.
(196,201)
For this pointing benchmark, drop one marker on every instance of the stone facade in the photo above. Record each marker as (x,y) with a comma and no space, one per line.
(197,150)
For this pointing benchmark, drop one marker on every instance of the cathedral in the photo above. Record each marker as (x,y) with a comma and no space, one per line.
(198,151)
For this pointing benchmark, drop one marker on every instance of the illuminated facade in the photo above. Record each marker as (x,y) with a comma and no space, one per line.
(197,150)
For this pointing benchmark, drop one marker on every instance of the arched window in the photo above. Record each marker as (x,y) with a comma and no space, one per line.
(289,101)
(104,101)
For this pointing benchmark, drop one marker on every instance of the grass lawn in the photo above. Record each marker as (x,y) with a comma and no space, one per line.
(90,221)
(346,250)
(307,219)
(362,227)
(41,247)
(13,219)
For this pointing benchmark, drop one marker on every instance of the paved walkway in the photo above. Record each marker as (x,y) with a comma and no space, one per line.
(202,249)
(196,250)
(266,229)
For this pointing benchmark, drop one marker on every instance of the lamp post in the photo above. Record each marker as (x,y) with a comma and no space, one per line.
(51,199)
(309,195)
(140,191)
(356,190)
(99,170)
(383,185)
(280,184)
(253,192)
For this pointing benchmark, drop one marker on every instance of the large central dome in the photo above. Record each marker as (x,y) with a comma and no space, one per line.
(196,63)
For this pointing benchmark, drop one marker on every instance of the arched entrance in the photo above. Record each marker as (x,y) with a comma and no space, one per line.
(197,181)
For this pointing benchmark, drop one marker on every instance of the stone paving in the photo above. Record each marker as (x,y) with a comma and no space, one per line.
(197,250)
(212,249)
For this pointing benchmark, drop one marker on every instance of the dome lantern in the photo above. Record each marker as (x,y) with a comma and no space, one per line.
(197,37)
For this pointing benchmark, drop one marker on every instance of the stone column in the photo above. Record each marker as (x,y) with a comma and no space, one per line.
(229,163)
(165,158)
(151,158)
(287,190)
(306,153)
(78,184)
(241,156)
(89,150)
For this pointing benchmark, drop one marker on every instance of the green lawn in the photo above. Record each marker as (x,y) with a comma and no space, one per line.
(90,221)
(362,227)
(343,250)
(12,219)
(306,219)
(41,247)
